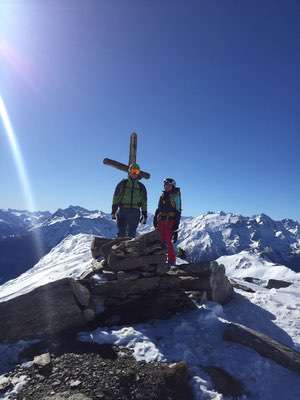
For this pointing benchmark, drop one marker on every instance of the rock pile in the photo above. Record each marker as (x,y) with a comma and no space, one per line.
(144,256)
(129,283)
(134,283)
(90,376)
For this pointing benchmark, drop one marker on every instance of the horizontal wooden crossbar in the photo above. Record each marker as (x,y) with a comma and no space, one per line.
(123,167)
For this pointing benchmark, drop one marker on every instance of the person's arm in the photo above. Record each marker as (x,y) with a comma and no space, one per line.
(155,222)
(176,226)
(143,203)
(177,221)
(117,198)
(177,217)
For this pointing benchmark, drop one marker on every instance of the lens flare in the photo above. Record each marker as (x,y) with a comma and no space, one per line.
(17,156)
(18,64)
(21,169)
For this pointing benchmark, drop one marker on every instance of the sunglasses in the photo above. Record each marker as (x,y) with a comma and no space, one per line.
(135,171)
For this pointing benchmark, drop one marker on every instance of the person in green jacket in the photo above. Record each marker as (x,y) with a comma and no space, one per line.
(129,205)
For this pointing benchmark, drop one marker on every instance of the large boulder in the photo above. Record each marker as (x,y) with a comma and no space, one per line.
(129,301)
(208,278)
(46,310)
(221,288)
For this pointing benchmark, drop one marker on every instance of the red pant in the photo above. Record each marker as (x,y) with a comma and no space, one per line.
(165,229)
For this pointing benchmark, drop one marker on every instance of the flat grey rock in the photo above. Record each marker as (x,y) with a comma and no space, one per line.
(264,345)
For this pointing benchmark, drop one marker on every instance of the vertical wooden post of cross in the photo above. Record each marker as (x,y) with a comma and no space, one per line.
(132,158)
(132,148)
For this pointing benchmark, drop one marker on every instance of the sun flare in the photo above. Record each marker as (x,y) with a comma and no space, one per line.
(17,155)
(20,166)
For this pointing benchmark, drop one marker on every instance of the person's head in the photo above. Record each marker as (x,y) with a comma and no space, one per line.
(134,171)
(169,184)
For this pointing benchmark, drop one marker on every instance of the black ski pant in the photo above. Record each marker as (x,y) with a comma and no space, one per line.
(127,221)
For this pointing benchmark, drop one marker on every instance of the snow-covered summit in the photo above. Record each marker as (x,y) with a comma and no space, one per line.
(213,235)
(69,213)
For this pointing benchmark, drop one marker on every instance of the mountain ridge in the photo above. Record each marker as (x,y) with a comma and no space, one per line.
(204,238)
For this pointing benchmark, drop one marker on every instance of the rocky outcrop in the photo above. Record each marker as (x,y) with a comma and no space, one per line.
(90,376)
(207,278)
(47,310)
(241,286)
(264,345)
(128,282)
(277,284)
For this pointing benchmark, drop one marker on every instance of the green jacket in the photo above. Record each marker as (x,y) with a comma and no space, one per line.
(130,193)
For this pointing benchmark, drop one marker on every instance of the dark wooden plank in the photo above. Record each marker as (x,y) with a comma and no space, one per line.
(123,167)
(133,148)
(115,164)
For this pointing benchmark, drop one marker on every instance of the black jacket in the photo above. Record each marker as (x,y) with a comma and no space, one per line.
(169,207)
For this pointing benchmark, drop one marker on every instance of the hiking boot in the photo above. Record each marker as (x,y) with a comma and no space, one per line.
(171,264)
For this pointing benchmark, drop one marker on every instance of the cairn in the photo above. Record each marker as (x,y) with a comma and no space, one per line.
(135,286)
(124,258)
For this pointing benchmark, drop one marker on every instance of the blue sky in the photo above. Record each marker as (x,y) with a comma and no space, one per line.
(211,87)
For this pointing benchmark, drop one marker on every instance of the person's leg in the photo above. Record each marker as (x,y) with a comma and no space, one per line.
(161,227)
(168,239)
(133,221)
(165,229)
(121,222)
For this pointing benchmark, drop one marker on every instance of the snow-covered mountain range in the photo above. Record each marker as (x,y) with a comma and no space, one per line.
(74,220)
(34,237)
(15,222)
(213,235)
(205,237)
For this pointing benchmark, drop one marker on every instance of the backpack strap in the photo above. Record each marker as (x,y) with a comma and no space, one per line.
(178,199)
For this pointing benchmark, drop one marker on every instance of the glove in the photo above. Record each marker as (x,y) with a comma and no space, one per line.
(177,221)
(143,218)
(114,210)
(155,222)
(175,236)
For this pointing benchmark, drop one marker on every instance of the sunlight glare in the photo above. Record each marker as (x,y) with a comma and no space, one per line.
(17,156)
(20,165)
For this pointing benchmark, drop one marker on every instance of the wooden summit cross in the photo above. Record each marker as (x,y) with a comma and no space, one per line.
(132,158)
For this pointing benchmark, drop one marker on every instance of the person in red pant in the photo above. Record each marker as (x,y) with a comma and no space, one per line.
(167,217)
